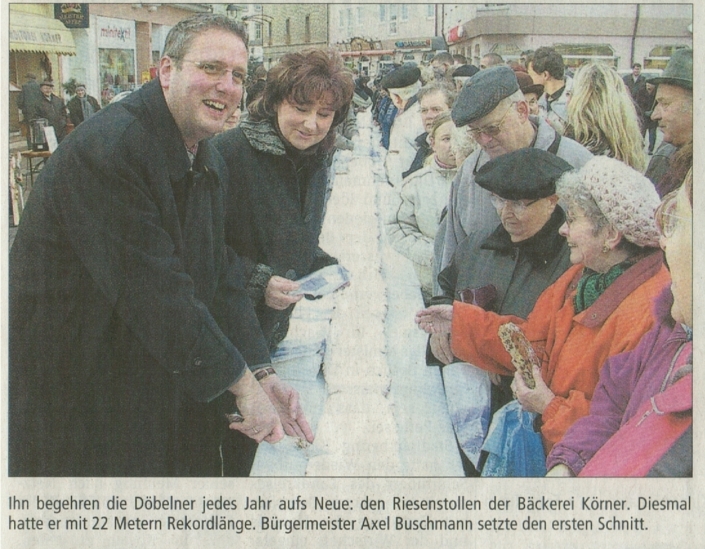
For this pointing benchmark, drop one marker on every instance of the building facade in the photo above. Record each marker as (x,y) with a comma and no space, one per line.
(292,27)
(373,37)
(619,34)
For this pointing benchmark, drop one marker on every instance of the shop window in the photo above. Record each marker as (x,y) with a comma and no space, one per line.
(658,57)
(575,55)
(117,72)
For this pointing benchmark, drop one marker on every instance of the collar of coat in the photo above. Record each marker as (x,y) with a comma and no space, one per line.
(264,137)
(168,135)
(646,268)
(540,248)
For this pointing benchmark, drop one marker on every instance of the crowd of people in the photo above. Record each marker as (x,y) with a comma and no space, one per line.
(155,269)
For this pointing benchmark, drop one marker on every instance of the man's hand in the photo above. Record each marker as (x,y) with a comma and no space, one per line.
(286,402)
(261,420)
(532,400)
(436,319)
(440,347)
(276,295)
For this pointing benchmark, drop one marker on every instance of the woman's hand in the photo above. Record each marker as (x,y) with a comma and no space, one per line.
(440,347)
(436,319)
(532,400)
(276,295)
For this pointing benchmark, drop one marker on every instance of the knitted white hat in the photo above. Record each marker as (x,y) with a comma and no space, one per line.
(626,198)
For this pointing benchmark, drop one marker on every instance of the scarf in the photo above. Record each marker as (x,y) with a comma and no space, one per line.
(593,284)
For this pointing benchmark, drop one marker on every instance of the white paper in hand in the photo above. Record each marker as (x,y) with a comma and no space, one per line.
(323,282)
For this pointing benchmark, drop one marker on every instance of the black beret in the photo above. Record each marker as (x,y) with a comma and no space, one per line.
(482,93)
(524,174)
(465,70)
(401,78)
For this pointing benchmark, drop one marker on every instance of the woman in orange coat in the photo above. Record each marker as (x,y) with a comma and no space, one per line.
(600,307)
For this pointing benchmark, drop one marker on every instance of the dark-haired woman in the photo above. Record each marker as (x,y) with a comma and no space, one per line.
(277,159)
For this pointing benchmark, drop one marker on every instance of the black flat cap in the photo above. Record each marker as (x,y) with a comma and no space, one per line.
(401,78)
(482,93)
(524,174)
(465,70)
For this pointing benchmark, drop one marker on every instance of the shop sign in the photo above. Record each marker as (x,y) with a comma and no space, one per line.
(73,16)
(412,44)
(115,33)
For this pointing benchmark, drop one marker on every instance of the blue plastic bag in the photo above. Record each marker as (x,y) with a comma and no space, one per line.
(514,448)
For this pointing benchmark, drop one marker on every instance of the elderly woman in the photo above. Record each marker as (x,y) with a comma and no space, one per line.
(277,159)
(620,413)
(602,116)
(424,194)
(503,270)
(600,307)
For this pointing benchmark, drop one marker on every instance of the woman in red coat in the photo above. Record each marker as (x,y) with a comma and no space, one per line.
(598,308)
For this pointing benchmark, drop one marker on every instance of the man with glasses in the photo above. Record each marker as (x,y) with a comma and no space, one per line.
(503,269)
(131,335)
(497,115)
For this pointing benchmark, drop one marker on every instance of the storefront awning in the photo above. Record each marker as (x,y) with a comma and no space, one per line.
(31,32)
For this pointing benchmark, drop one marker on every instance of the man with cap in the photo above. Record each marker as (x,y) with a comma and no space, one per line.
(503,269)
(497,115)
(403,85)
(27,102)
(674,114)
(53,109)
(82,106)
(532,92)
(462,74)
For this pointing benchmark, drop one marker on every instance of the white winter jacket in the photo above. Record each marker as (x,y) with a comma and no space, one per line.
(406,128)
(424,195)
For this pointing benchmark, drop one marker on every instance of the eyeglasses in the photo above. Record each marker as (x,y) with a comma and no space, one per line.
(518,206)
(216,71)
(665,217)
(491,130)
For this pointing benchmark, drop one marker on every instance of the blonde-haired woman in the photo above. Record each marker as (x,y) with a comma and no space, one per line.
(602,116)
